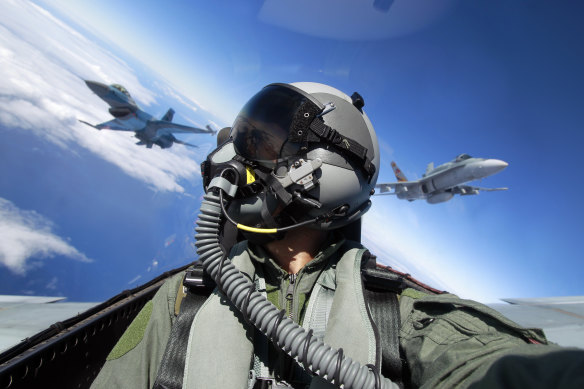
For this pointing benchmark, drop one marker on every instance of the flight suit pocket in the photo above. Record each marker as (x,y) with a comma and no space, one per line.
(444,339)
(441,326)
(446,319)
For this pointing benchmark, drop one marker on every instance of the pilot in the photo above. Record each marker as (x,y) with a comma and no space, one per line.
(295,300)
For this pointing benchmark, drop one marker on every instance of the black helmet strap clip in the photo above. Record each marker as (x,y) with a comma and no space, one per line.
(308,126)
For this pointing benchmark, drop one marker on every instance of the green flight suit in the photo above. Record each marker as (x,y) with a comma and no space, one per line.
(447,342)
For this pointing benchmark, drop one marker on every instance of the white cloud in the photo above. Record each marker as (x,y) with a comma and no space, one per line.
(42,90)
(26,235)
(52,285)
(191,103)
(134,280)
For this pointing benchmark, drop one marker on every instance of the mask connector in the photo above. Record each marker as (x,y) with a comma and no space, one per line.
(224,185)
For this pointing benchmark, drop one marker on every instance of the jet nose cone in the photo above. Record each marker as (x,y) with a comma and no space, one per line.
(98,88)
(495,164)
(492,166)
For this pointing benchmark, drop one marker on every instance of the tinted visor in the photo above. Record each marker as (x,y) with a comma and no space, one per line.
(260,131)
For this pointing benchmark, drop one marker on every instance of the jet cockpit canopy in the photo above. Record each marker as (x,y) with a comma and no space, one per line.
(122,89)
(462,157)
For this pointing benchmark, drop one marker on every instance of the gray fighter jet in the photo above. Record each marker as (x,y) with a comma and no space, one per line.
(129,117)
(443,182)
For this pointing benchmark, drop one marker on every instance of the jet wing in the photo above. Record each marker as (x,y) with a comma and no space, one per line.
(184,143)
(396,186)
(561,318)
(163,127)
(465,190)
(23,316)
(114,124)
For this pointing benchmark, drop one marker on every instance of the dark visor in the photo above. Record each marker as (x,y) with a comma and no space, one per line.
(261,130)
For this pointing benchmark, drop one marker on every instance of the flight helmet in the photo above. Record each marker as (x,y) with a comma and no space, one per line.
(310,154)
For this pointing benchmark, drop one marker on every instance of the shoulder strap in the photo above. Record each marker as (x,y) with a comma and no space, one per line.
(382,286)
(383,307)
(198,288)
(386,278)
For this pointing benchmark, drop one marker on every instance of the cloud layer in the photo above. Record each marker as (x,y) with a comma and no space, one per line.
(42,90)
(25,235)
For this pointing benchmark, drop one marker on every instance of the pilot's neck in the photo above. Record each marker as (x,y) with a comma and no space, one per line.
(298,248)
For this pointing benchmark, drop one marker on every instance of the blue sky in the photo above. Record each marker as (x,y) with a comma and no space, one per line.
(493,79)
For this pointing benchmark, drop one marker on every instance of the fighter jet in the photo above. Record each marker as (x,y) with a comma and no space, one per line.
(440,184)
(129,117)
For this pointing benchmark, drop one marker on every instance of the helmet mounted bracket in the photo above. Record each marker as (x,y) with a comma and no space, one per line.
(301,173)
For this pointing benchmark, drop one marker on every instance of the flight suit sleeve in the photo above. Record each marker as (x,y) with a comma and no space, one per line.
(134,360)
(449,342)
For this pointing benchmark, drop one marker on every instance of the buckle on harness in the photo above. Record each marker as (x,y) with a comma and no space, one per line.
(198,279)
(268,383)
(256,382)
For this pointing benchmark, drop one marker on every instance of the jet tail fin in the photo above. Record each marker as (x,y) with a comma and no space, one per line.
(213,131)
(398,173)
(168,115)
(430,167)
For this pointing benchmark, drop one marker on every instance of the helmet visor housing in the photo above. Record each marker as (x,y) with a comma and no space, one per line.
(261,130)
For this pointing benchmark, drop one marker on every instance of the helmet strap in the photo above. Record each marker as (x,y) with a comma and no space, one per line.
(344,144)
(265,213)
(284,197)
(309,127)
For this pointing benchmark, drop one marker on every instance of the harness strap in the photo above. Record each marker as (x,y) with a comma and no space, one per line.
(260,355)
(381,291)
(171,370)
(381,300)
(384,309)
(318,310)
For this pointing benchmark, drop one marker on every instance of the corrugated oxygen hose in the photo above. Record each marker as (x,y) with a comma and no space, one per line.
(320,358)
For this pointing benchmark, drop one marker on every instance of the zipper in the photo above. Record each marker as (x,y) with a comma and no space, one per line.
(290,296)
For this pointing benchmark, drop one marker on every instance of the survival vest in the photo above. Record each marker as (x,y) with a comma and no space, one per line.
(363,286)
